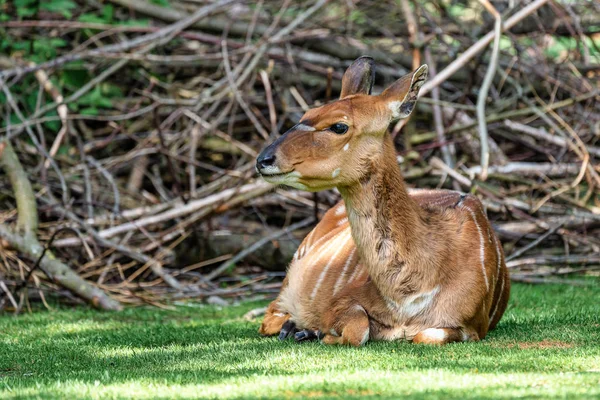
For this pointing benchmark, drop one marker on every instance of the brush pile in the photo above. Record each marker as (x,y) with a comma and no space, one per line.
(131,127)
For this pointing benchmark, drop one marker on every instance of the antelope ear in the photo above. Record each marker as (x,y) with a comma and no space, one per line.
(359,77)
(401,96)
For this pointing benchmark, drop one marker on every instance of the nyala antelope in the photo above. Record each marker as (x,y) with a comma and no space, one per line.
(386,263)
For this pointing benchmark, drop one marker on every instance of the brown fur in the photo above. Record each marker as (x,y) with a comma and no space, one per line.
(412,267)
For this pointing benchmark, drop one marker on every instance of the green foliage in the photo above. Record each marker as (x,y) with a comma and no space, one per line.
(26,8)
(62,7)
(561,46)
(30,8)
(547,346)
(162,3)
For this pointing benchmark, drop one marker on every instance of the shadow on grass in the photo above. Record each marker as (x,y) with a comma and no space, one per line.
(213,348)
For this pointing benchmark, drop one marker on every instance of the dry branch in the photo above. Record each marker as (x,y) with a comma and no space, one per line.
(27,242)
(159,188)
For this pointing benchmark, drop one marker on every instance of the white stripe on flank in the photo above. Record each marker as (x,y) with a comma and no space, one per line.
(498,260)
(338,283)
(342,221)
(301,251)
(358,269)
(304,246)
(499,298)
(499,256)
(331,260)
(481,248)
(440,201)
(309,247)
(309,238)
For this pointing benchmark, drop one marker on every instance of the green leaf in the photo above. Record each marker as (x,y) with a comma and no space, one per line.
(135,22)
(62,7)
(111,90)
(21,45)
(74,78)
(162,3)
(89,111)
(4,44)
(91,18)
(108,12)
(25,3)
(31,99)
(26,8)
(63,150)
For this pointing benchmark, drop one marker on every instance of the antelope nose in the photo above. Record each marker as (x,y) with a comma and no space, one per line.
(265,160)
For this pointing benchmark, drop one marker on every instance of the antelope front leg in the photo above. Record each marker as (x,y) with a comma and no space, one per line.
(351,327)
(441,336)
(274,321)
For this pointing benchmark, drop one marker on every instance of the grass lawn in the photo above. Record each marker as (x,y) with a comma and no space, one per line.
(547,345)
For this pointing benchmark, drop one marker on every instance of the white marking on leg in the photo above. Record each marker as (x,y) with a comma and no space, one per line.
(359,308)
(338,283)
(365,337)
(481,248)
(436,334)
(331,260)
(464,335)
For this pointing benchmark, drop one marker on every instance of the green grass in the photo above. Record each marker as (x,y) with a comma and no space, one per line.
(547,345)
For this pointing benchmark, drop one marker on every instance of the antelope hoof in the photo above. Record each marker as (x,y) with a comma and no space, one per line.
(306,335)
(288,328)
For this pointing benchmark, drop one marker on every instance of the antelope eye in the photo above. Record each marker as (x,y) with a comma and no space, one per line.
(339,128)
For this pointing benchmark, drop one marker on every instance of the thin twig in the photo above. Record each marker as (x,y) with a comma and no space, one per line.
(257,245)
(485,87)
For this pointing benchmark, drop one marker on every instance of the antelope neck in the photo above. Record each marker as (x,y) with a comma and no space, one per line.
(386,223)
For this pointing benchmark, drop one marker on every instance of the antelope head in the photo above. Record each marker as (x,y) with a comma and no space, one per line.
(334,145)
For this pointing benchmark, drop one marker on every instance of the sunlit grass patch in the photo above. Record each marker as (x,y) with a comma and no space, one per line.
(546,346)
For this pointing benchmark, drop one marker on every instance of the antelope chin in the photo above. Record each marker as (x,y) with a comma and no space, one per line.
(283,178)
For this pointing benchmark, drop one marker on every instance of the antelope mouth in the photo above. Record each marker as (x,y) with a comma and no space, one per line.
(278,177)
(275,174)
